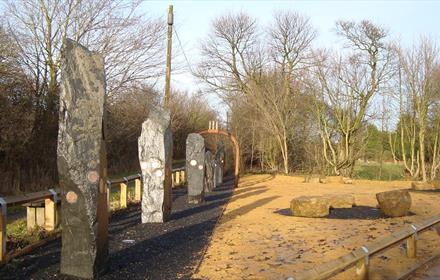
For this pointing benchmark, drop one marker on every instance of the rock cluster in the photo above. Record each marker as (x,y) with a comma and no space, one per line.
(319,206)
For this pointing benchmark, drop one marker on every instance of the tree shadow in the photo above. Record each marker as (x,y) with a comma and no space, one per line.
(213,202)
(251,183)
(247,208)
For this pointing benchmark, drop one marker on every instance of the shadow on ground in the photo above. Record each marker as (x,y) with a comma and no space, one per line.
(355,213)
(144,251)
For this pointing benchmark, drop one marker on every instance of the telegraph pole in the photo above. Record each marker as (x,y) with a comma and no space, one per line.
(168,69)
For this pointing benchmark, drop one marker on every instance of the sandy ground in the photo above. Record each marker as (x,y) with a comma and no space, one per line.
(257,238)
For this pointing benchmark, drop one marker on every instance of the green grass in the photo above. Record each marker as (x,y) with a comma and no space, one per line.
(374,171)
(20,237)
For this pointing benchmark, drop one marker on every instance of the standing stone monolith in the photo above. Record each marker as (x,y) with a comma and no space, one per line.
(155,157)
(195,167)
(209,172)
(220,162)
(82,163)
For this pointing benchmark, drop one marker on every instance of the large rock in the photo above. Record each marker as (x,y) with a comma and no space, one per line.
(310,206)
(195,167)
(155,157)
(82,164)
(423,186)
(341,200)
(394,203)
(219,163)
(209,172)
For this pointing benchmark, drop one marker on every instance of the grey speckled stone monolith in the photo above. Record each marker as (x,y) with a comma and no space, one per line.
(82,164)
(155,157)
(220,162)
(195,167)
(209,172)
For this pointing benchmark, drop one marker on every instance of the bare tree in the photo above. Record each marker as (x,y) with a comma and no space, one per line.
(237,66)
(419,66)
(132,45)
(346,85)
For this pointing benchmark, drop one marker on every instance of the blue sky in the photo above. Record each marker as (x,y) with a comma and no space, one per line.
(406,21)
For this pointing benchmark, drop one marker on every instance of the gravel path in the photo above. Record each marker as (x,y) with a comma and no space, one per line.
(160,251)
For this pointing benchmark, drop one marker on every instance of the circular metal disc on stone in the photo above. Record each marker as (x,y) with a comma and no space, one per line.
(144,165)
(193,162)
(92,176)
(158,173)
(71,197)
(200,167)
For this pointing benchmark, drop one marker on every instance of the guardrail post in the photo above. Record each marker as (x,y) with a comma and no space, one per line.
(137,189)
(182,175)
(362,266)
(50,211)
(3,213)
(177,177)
(109,188)
(411,244)
(123,196)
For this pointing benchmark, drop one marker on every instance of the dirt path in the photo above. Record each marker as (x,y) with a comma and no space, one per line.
(258,239)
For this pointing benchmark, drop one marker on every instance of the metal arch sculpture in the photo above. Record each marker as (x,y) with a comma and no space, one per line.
(214,130)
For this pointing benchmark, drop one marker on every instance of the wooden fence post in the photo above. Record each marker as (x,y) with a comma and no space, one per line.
(50,211)
(109,188)
(411,244)
(178,178)
(137,190)
(362,266)
(123,197)
(183,176)
(3,212)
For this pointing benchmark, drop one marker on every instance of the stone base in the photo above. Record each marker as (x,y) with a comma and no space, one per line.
(310,206)
(394,203)
(341,201)
(423,186)
(196,199)
(346,180)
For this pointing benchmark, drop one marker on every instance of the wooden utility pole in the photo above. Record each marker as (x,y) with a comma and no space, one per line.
(168,70)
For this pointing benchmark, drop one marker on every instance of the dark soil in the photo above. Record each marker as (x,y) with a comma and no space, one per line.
(171,250)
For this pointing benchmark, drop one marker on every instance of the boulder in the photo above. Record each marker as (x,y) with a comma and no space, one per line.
(394,203)
(341,201)
(347,180)
(310,206)
(422,186)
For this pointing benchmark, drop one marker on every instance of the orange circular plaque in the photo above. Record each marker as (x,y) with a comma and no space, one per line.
(71,197)
(92,176)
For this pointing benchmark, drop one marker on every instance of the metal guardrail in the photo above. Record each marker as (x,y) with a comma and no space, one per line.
(361,256)
(50,198)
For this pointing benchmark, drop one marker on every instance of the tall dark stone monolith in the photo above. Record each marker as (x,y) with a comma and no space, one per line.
(82,164)
(220,163)
(195,167)
(209,172)
(155,157)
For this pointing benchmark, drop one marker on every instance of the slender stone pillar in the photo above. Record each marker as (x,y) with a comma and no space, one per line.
(220,163)
(155,157)
(195,167)
(209,172)
(82,164)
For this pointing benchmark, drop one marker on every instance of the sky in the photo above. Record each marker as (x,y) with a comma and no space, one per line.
(405,20)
